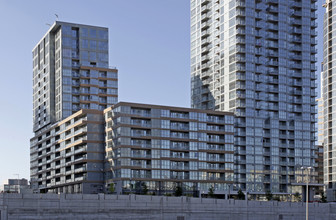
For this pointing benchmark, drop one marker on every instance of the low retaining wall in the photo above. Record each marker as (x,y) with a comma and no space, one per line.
(78,206)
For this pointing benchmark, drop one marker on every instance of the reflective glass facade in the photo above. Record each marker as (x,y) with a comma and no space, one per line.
(68,157)
(72,84)
(257,59)
(71,72)
(164,147)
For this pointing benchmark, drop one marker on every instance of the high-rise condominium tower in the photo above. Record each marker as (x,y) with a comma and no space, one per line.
(257,59)
(329,99)
(72,84)
(71,72)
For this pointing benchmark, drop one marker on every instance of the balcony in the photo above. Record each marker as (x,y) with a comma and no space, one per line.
(204,9)
(205,58)
(240,22)
(272,44)
(295,31)
(205,49)
(84,157)
(296,13)
(138,155)
(240,31)
(295,66)
(179,135)
(203,2)
(272,63)
(205,17)
(295,4)
(240,3)
(295,48)
(179,167)
(205,33)
(81,178)
(272,1)
(295,39)
(75,83)
(179,127)
(141,123)
(140,133)
(205,66)
(295,57)
(180,155)
(271,35)
(272,9)
(260,24)
(82,149)
(205,25)
(295,22)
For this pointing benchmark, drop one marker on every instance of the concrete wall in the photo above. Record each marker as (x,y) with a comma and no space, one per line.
(100,206)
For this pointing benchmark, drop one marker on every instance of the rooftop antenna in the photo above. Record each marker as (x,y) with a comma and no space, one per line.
(48,24)
(56,16)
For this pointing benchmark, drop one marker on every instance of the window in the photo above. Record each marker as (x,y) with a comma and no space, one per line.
(102,45)
(164,113)
(84,32)
(165,164)
(93,33)
(93,44)
(165,124)
(102,34)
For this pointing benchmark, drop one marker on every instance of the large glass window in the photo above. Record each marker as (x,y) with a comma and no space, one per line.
(102,45)
(84,32)
(93,33)
(84,44)
(93,44)
(103,34)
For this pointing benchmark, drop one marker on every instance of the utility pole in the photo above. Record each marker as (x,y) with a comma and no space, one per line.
(307,194)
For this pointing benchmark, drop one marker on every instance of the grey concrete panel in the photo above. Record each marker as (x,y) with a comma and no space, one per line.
(100,206)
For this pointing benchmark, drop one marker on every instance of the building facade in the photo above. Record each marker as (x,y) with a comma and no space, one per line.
(71,72)
(328,97)
(320,123)
(164,147)
(72,85)
(16,185)
(257,59)
(68,156)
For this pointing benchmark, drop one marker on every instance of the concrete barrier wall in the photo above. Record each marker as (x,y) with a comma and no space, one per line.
(100,206)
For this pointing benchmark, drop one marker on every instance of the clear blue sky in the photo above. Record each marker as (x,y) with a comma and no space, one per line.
(149,43)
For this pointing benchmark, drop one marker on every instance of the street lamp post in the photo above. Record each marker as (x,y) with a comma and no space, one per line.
(308,171)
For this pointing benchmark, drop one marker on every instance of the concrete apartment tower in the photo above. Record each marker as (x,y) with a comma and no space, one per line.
(328,97)
(257,59)
(72,85)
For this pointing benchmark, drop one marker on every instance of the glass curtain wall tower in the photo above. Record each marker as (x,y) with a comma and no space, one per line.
(257,58)
(71,72)
(72,85)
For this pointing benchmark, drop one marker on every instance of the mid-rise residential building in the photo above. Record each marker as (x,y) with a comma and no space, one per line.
(16,185)
(71,72)
(68,156)
(164,147)
(257,59)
